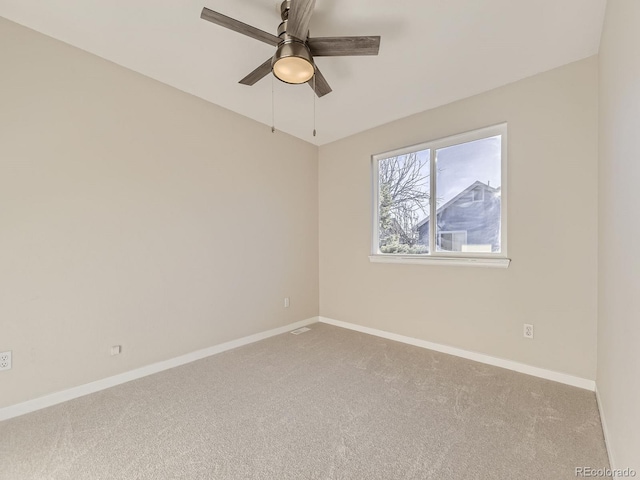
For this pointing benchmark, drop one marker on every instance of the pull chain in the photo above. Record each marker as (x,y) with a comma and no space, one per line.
(314,104)
(273,109)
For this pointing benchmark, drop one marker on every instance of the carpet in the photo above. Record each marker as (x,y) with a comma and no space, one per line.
(326,404)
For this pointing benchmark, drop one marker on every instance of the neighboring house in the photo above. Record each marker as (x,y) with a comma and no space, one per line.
(469,222)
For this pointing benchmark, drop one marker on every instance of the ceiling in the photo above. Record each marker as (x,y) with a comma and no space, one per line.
(432,52)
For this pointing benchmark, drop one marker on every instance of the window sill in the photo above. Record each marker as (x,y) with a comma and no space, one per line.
(449,261)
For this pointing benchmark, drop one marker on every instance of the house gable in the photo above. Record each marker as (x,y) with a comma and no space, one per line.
(471,217)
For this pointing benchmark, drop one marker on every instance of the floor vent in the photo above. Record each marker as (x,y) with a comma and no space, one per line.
(300,330)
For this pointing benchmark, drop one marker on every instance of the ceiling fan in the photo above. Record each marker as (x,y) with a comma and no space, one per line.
(293,60)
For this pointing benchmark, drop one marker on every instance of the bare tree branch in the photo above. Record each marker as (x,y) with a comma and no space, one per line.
(404,194)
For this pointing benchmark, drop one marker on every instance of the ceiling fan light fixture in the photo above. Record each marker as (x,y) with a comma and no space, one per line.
(293,63)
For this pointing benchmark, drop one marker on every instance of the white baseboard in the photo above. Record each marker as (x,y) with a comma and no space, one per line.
(605,431)
(79,391)
(478,357)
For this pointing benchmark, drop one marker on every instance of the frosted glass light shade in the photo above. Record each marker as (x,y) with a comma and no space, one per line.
(292,63)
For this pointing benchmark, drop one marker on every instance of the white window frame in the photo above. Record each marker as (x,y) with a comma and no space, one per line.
(500,260)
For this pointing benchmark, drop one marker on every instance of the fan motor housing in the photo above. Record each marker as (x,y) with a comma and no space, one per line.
(282,29)
(284,9)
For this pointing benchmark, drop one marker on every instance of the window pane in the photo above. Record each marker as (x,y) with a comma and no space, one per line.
(403,206)
(468,194)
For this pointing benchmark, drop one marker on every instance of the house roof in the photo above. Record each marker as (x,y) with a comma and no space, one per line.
(462,193)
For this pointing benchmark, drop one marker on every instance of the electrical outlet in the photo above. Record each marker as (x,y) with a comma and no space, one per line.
(5,360)
(116,350)
(286,302)
(528,331)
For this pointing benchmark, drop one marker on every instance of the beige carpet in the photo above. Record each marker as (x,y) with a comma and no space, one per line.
(327,404)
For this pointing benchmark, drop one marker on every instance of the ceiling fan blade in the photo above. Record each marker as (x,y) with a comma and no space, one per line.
(321,84)
(258,74)
(299,18)
(343,46)
(237,26)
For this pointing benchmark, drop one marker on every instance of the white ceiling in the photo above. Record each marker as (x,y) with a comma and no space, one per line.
(432,52)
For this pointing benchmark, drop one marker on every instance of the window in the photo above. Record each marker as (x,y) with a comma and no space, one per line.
(451,241)
(460,182)
(478,195)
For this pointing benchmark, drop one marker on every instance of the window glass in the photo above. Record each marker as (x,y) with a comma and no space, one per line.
(468,195)
(403,201)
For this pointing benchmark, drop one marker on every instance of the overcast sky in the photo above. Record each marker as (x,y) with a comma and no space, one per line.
(461,165)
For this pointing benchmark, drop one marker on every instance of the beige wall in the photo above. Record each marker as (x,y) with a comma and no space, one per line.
(134,214)
(619,206)
(552,230)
